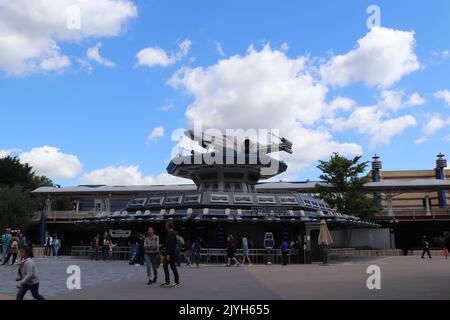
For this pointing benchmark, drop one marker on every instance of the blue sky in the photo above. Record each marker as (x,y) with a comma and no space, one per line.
(101,116)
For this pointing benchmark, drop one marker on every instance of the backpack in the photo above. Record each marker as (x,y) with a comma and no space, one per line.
(14,245)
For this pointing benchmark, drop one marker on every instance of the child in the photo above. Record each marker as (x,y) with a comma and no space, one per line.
(446,253)
(27,276)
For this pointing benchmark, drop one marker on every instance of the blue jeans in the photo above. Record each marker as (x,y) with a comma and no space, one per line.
(56,250)
(4,251)
(151,262)
(34,289)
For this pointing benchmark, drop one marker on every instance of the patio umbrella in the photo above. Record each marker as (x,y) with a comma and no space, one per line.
(324,240)
(324,234)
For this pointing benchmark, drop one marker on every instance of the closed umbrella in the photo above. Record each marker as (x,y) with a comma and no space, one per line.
(324,240)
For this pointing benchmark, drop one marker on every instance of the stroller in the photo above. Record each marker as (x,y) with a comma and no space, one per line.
(134,254)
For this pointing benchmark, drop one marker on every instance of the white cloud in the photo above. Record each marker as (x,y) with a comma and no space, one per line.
(416,100)
(381,58)
(444,95)
(156,133)
(51,162)
(264,90)
(393,100)
(372,121)
(434,123)
(155,56)
(9,152)
(55,63)
(31,30)
(94,54)
(128,175)
(284,47)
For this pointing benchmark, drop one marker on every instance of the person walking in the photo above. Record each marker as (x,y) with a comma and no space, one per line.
(141,249)
(425,247)
(5,240)
(245,252)
(27,278)
(196,252)
(231,251)
(188,253)
(285,252)
(23,240)
(151,255)
(95,245)
(13,250)
(105,249)
(170,257)
(111,246)
(57,246)
(48,246)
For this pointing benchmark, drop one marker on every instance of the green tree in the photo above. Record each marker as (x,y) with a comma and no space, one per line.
(17,180)
(347,178)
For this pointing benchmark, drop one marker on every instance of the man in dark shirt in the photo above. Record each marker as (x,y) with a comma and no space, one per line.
(425,247)
(170,256)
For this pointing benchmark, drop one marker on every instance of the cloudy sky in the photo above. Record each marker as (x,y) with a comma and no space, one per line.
(95,92)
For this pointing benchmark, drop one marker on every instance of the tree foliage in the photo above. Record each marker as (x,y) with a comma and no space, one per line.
(348,178)
(17,180)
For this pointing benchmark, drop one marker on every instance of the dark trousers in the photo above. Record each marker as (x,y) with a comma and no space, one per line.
(426,250)
(173,266)
(49,251)
(14,257)
(94,253)
(285,258)
(34,289)
(105,253)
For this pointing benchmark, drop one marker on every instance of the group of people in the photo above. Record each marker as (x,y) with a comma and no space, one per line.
(52,245)
(231,248)
(153,251)
(105,247)
(11,241)
(169,253)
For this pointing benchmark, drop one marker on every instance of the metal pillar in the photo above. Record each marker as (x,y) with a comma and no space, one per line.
(427,205)
(441,164)
(390,207)
(46,208)
(376,177)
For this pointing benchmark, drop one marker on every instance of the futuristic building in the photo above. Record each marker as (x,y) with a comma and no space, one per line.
(226,197)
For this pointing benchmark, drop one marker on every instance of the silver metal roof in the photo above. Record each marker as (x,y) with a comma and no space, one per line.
(302,187)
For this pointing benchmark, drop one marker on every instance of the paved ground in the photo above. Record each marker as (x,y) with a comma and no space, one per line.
(401,278)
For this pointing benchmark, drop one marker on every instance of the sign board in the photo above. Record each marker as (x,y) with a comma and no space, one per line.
(119,233)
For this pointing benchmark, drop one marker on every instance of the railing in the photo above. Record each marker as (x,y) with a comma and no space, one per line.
(69,216)
(207,255)
(405,212)
(352,252)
